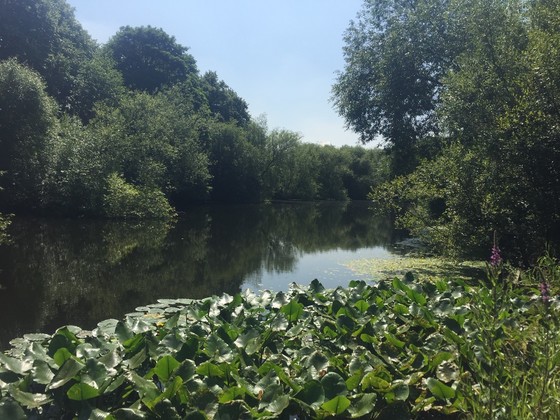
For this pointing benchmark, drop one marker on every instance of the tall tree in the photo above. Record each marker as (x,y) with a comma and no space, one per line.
(27,124)
(396,54)
(223,101)
(45,35)
(148,58)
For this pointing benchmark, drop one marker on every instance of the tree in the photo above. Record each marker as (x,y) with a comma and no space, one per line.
(498,173)
(149,142)
(235,164)
(396,55)
(148,58)
(224,103)
(45,35)
(27,124)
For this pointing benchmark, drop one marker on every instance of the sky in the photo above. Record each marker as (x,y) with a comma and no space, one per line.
(280,56)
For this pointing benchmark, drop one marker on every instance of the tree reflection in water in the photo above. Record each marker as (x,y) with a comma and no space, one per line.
(57,272)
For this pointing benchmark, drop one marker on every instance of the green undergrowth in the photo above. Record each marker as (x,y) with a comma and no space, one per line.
(395,349)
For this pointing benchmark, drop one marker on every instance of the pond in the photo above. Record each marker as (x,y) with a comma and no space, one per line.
(79,272)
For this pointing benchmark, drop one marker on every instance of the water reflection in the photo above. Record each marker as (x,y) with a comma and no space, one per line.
(56,272)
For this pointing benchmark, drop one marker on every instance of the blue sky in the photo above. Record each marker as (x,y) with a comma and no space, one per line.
(281,56)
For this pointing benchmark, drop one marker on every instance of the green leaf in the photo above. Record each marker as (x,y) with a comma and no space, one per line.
(218,349)
(15,365)
(233,393)
(337,405)
(42,373)
(439,389)
(210,370)
(316,286)
(146,388)
(129,414)
(69,369)
(333,384)
(371,380)
(440,357)
(394,340)
(82,391)
(318,361)
(293,310)
(362,305)
(11,410)
(28,399)
(186,370)
(274,399)
(165,367)
(447,371)
(61,356)
(137,359)
(364,405)
(248,338)
(312,393)
(353,382)
(416,296)
(399,391)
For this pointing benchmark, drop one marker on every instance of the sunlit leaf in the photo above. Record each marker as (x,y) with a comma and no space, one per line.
(15,365)
(337,405)
(210,370)
(439,389)
(165,367)
(28,399)
(293,310)
(363,406)
(82,391)
(69,369)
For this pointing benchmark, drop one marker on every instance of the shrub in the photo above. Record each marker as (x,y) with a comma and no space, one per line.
(124,200)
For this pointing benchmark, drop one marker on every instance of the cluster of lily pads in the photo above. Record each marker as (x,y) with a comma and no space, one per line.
(393,349)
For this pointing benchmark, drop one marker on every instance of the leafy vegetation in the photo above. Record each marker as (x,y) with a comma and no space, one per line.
(395,348)
(131,129)
(465,95)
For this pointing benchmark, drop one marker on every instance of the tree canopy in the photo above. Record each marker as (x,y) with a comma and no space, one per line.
(465,95)
(131,129)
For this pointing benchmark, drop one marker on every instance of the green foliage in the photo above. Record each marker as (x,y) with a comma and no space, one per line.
(137,107)
(396,54)
(27,122)
(399,347)
(45,35)
(224,103)
(493,167)
(148,58)
(124,200)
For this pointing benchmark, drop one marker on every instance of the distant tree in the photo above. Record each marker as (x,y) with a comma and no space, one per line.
(148,58)
(278,162)
(223,101)
(235,164)
(27,124)
(365,169)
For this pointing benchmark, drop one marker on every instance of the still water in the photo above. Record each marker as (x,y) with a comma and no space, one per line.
(58,272)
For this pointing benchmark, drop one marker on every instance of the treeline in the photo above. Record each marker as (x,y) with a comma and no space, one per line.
(133,129)
(466,94)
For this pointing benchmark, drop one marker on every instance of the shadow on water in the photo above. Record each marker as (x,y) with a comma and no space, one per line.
(57,272)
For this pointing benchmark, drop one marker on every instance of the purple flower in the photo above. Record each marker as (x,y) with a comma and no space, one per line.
(545,292)
(496,257)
